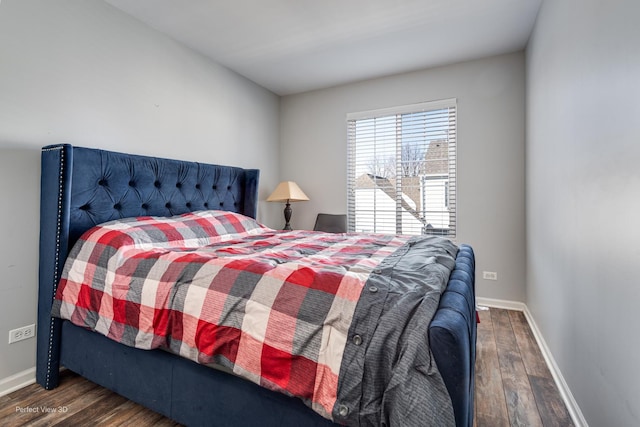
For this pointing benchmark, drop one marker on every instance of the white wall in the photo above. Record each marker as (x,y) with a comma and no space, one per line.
(491,131)
(583,163)
(82,72)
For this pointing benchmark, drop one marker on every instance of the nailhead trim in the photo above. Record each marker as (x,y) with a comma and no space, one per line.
(57,258)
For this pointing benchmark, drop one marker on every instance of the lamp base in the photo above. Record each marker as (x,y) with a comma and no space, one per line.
(287,216)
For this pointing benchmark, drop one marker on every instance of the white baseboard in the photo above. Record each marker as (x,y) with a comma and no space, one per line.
(563,387)
(17,381)
(499,303)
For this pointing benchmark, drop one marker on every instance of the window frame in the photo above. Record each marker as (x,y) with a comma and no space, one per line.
(451,131)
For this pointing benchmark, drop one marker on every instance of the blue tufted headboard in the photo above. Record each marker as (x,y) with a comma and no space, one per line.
(82,187)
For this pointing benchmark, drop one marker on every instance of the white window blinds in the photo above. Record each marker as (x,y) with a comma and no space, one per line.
(402,169)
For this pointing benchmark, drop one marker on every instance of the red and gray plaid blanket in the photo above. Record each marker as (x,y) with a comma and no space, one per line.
(276,308)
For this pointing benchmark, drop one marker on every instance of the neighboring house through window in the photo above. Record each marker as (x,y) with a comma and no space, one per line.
(402,169)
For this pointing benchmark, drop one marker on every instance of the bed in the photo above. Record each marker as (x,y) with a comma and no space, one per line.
(82,187)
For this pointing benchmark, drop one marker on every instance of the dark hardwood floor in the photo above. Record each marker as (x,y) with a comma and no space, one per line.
(513,388)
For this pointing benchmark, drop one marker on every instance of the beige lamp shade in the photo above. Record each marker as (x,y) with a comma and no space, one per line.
(287,191)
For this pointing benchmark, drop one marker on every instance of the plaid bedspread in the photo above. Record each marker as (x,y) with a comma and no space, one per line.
(338,320)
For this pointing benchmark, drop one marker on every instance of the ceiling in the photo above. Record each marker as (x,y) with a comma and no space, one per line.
(292,46)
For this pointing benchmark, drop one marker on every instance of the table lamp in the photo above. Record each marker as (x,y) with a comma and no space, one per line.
(287,191)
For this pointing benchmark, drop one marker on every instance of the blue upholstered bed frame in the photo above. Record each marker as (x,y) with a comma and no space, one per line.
(82,187)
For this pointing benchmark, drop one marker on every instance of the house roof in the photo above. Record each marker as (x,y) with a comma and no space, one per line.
(411,186)
(436,163)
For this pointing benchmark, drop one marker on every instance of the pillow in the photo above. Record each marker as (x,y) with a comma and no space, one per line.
(193,229)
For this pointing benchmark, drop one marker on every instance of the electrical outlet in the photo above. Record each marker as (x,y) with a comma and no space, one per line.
(490,275)
(22,333)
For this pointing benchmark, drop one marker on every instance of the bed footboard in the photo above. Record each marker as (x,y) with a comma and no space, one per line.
(452,335)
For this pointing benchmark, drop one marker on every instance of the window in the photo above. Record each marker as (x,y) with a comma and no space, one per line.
(402,169)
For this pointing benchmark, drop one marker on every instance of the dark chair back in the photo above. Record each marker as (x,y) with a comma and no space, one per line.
(331,223)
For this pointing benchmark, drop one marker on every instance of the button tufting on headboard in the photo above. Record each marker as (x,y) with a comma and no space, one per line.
(109,186)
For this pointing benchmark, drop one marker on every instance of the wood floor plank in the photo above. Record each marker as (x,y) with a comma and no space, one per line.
(529,350)
(130,413)
(25,393)
(521,403)
(51,412)
(551,407)
(94,413)
(4,400)
(57,405)
(28,408)
(490,403)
